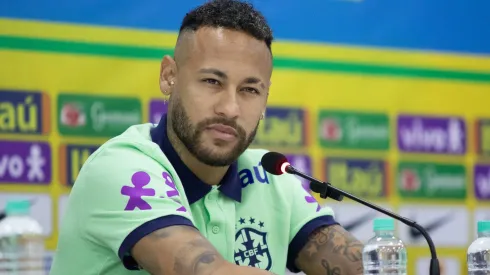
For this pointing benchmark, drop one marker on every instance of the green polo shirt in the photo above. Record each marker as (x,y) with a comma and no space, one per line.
(135,184)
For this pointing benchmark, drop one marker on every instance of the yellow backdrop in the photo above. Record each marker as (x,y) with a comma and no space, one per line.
(391,92)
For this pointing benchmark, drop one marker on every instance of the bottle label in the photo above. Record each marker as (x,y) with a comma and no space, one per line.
(22,255)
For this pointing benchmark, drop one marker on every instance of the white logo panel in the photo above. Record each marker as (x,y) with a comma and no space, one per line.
(356,218)
(448,266)
(446,225)
(62,204)
(41,208)
(481,214)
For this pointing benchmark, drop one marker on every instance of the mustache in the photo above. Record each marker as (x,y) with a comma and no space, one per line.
(220,120)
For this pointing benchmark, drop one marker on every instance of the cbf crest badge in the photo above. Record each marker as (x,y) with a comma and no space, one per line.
(251,248)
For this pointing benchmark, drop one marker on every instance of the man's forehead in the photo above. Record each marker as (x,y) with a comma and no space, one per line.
(212,40)
(223,49)
(223,34)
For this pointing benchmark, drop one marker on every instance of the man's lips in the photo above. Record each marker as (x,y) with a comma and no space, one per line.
(223,129)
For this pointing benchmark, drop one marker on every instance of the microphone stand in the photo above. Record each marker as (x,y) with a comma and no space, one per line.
(326,190)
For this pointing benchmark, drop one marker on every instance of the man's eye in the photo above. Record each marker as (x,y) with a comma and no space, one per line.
(211,81)
(250,90)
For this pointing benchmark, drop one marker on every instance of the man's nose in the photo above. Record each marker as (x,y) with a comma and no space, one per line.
(228,105)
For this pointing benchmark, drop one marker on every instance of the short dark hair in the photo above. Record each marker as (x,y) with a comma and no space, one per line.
(229,14)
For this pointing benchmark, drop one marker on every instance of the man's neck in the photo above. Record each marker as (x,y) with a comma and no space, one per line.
(208,174)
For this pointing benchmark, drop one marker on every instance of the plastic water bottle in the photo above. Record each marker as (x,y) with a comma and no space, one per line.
(384,254)
(478,256)
(22,248)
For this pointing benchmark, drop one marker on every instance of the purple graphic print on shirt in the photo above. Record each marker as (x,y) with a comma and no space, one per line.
(137,191)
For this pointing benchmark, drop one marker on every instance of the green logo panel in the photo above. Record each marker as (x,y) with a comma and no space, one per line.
(94,116)
(354,130)
(431,180)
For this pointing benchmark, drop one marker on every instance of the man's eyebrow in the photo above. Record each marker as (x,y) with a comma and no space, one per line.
(221,74)
(254,80)
(214,71)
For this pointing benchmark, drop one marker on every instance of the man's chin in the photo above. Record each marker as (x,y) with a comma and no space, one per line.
(218,155)
(216,160)
(220,152)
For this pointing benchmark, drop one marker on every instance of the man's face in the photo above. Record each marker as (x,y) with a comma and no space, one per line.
(220,93)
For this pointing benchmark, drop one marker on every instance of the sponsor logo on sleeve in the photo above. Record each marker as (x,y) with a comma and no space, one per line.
(138,190)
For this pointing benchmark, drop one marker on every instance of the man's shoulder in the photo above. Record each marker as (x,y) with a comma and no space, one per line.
(136,134)
(132,153)
(133,145)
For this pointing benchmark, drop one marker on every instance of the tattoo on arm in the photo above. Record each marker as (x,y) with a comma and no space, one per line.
(178,250)
(331,250)
(330,270)
(195,257)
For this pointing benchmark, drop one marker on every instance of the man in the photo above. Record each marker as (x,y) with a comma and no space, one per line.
(186,197)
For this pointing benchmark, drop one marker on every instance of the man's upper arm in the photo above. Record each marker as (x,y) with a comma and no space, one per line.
(182,250)
(306,216)
(128,196)
(176,250)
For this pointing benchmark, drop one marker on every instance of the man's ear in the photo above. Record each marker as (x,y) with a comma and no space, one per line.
(168,71)
(269,89)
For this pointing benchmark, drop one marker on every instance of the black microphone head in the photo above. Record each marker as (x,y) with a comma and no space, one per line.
(275,163)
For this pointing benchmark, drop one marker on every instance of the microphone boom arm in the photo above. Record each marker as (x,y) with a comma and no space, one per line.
(326,190)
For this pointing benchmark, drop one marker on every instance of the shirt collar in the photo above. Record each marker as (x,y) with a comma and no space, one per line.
(194,188)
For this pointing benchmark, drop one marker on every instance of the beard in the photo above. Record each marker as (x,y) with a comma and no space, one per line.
(191,136)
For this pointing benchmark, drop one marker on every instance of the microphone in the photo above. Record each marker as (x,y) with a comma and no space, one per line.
(277,164)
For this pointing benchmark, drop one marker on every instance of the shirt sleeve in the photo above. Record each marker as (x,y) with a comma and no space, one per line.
(306,216)
(128,195)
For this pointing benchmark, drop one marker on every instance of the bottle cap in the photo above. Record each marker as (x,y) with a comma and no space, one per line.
(18,207)
(483,226)
(384,224)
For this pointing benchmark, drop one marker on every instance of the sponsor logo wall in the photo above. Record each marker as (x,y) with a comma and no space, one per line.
(343,137)
(351,149)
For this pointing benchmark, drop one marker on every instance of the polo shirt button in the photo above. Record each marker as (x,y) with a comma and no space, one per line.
(215,229)
(213,196)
